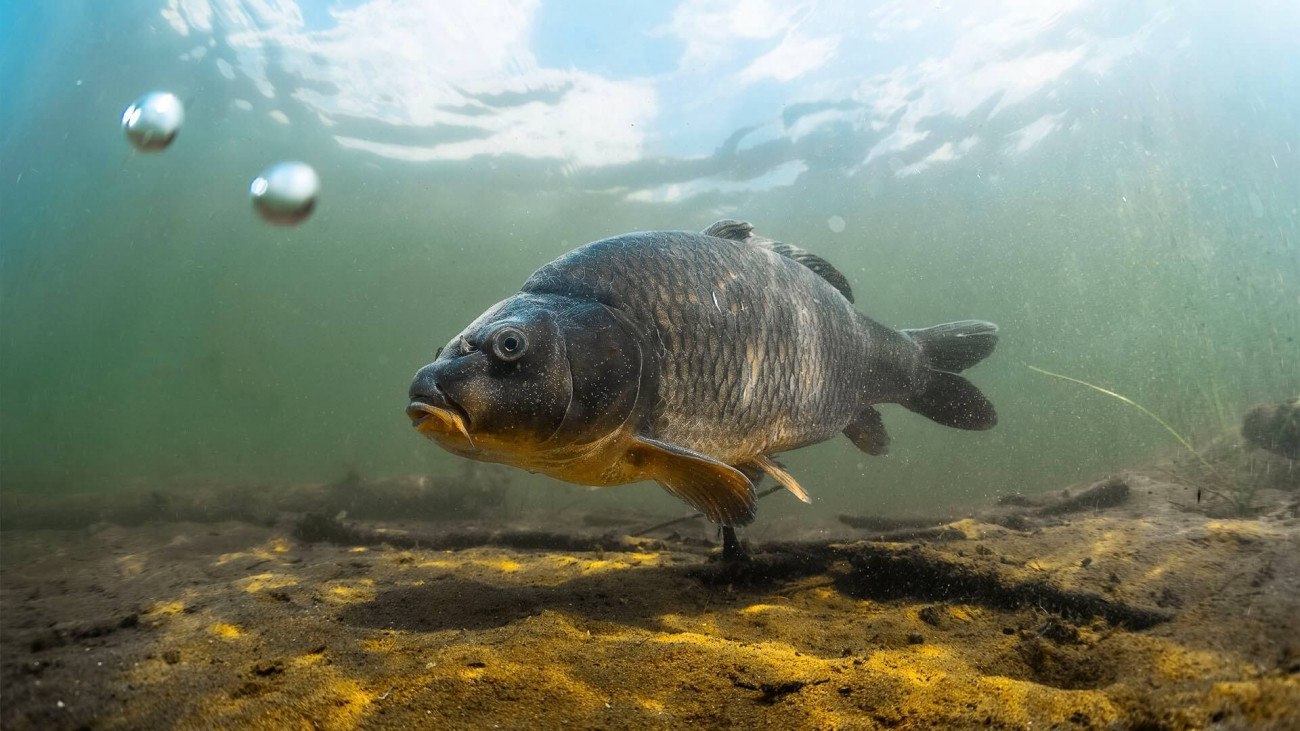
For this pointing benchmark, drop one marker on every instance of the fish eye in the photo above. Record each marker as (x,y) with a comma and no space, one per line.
(509,343)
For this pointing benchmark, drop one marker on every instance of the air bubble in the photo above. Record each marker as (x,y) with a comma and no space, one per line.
(151,123)
(285,193)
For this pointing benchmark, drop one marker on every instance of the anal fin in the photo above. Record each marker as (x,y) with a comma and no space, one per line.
(867,432)
(778,473)
(723,493)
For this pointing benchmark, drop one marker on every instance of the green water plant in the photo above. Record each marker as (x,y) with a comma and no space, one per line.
(1237,494)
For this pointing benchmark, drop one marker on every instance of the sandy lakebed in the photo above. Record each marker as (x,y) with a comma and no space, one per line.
(1125,604)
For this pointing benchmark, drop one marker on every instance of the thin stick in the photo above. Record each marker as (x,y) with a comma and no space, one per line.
(1135,405)
(693,516)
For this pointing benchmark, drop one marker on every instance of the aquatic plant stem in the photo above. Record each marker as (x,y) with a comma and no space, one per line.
(1134,404)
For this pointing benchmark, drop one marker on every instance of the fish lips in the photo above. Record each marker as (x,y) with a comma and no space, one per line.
(439,417)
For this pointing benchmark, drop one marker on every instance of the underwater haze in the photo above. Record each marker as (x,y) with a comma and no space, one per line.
(1116,184)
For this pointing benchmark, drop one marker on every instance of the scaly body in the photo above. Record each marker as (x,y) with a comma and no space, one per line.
(690,359)
(756,353)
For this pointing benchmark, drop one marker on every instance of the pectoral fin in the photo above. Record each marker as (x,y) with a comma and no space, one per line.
(778,473)
(722,493)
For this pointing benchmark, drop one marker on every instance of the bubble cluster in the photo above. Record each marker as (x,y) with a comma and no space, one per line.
(284,194)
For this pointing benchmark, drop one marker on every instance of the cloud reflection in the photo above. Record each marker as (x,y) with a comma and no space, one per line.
(780,176)
(404,63)
(917,85)
(1025,138)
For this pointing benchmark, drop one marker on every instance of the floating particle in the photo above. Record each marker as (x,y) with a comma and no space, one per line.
(152,121)
(285,193)
(836,224)
(1256,205)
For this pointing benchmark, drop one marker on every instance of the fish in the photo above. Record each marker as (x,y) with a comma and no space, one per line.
(692,360)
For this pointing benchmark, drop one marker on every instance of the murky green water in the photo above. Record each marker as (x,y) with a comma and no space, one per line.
(1115,184)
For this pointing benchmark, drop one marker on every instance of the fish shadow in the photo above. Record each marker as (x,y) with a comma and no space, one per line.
(642,596)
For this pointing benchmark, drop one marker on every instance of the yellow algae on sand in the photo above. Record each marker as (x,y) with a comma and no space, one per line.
(1240,531)
(1178,663)
(1019,702)
(920,666)
(268,551)
(543,569)
(379,644)
(311,658)
(965,613)
(760,608)
(505,565)
(165,608)
(348,592)
(262,582)
(969,526)
(611,564)
(130,565)
(331,702)
(651,705)
(226,631)
(1268,699)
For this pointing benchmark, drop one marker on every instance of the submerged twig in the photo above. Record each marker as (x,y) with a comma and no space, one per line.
(1108,493)
(693,516)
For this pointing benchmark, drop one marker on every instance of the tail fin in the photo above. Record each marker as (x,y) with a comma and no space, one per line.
(948,398)
(955,346)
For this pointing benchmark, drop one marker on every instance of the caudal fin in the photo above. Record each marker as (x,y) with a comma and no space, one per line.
(948,398)
(955,346)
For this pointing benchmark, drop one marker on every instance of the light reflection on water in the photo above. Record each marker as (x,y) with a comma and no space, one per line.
(923,83)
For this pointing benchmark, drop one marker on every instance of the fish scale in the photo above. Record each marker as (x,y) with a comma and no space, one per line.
(698,407)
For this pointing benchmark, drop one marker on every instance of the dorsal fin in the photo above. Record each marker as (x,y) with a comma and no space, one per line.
(730,229)
(744,232)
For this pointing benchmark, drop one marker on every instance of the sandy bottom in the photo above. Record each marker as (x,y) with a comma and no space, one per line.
(1147,614)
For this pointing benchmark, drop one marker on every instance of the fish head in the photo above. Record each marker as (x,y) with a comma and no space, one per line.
(534,374)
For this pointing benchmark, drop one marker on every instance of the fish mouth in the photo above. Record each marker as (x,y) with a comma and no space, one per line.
(421,410)
(431,418)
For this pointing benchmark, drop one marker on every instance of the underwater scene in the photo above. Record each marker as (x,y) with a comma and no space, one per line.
(700,363)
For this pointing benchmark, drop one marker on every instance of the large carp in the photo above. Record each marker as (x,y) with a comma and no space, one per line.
(689,359)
